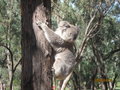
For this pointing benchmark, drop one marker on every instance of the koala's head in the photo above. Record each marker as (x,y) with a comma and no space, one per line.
(67,31)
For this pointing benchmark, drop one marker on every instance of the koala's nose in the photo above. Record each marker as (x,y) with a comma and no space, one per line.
(74,37)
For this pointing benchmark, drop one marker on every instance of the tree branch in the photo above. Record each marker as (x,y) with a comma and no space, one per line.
(81,49)
(114,80)
(11,54)
(17,65)
(12,67)
(111,53)
(66,81)
(90,32)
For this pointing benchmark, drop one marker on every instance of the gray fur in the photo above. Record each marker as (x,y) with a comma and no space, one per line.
(62,41)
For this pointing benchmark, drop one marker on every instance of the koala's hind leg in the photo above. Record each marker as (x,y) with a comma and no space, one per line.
(58,69)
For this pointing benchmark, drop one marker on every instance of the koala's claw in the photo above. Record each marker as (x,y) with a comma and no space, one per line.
(39,23)
(53,71)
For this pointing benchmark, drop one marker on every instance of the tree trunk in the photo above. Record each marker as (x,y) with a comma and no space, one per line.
(36,51)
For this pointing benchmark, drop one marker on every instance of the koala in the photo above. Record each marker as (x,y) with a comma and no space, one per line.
(62,41)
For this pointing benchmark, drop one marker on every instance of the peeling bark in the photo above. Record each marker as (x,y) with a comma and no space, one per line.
(36,51)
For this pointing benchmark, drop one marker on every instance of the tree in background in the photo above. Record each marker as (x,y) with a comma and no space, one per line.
(93,64)
(10,43)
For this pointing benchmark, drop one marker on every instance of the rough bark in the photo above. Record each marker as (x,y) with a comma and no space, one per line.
(36,51)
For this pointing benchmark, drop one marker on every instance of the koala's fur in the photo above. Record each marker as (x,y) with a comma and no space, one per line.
(62,41)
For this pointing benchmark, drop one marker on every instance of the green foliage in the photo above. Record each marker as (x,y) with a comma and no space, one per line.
(79,12)
(10,34)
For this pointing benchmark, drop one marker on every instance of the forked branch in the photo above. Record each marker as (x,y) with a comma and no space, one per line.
(90,32)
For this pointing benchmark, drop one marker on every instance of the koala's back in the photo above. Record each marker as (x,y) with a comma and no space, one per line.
(64,63)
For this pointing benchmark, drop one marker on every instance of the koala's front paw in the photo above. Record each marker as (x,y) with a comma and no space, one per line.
(41,24)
